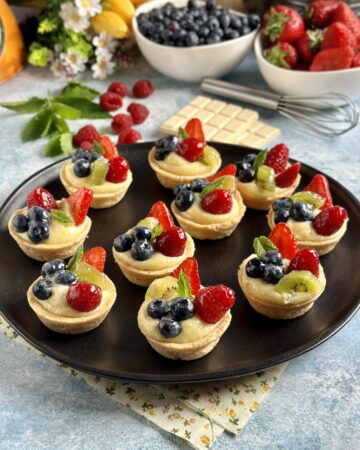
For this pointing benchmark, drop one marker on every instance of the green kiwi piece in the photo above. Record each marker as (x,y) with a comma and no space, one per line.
(162,288)
(229,183)
(210,156)
(265,178)
(99,169)
(308,197)
(299,281)
(88,273)
(148,222)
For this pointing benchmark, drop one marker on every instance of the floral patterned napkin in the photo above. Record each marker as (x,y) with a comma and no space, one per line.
(197,413)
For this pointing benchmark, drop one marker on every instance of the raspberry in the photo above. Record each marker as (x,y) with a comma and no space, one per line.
(86,145)
(86,133)
(171,242)
(284,240)
(143,88)
(277,158)
(213,302)
(118,170)
(138,112)
(330,220)
(128,136)
(191,149)
(41,197)
(84,296)
(118,88)
(305,259)
(110,101)
(110,151)
(80,202)
(218,201)
(95,257)
(288,176)
(121,122)
(162,213)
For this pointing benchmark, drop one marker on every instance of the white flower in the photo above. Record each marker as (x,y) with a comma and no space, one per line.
(57,68)
(72,18)
(103,66)
(74,60)
(104,42)
(88,8)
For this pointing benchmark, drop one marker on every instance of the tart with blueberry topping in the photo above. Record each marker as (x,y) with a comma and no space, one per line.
(180,159)
(267,176)
(209,208)
(153,248)
(99,167)
(73,298)
(279,280)
(312,217)
(181,319)
(47,229)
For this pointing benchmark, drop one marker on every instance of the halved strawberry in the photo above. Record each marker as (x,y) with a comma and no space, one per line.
(284,240)
(194,129)
(190,269)
(162,213)
(319,184)
(110,151)
(41,197)
(80,202)
(230,169)
(278,157)
(305,259)
(96,257)
(288,177)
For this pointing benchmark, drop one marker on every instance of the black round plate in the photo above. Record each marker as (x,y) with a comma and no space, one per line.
(117,348)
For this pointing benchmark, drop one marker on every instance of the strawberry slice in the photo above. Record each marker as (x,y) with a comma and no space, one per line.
(330,220)
(110,151)
(305,259)
(288,177)
(96,257)
(284,240)
(80,202)
(230,169)
(194,129)
(277,158)
(319,184)
(162,213)
(41,197)
(191,270)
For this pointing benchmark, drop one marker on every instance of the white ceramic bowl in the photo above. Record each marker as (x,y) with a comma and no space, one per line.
(302,83)
(191,63)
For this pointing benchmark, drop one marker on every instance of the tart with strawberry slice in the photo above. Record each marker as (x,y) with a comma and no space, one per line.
(267,176)
(47,229)
(73,298)
(98,166)
(153,248)
(180,159)
(312,217)
(279,280)
(181,319)
(209,208)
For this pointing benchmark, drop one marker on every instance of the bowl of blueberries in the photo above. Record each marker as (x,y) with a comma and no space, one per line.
(189,40)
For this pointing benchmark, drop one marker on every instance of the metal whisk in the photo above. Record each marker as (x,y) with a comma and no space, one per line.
(327,115)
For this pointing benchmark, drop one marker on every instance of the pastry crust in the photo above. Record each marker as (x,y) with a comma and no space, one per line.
(322,247)
(100,201)
(72,325)
(146,277)
(170,180)
(46,252)
(264,203)
(213,231)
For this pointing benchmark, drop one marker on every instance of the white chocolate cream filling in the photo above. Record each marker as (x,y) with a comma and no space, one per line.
(252,190)
(304,231)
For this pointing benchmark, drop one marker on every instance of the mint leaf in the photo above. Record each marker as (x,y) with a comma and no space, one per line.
(262,244)
(66,111)
(58,126)
(38,126)
(75,259)
(89,110)
(34,104)
(66,143)
(98,148)
(53,148)
(61,216)
(183,288)
(182,134)
(216,184)
(158,229)
(76,89)
(259,160)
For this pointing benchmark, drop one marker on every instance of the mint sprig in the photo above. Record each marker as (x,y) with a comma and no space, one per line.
(182,134)
(157,230)
(61,216)
(183,288)
(259,160)
(75,259)
(262,245)
(216,184)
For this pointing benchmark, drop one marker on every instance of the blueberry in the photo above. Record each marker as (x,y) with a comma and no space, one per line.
(247,175)
(272,273)
(213,24)
(20,223)
(235,22)
(167,36)
(184,200)
(246,29)
(168,143)
(66,277)
(204,31)
(255,268)
(249,158)
(191,39)
(39,215)
(211,5)
(301,211)
(254,21)
(198,184)
(281,215)
(123,242)
(244,21)
(272,257)
(38,232)
(42,289)
(82,167)
(180,187)
(161,154)
(213,38)
(282,203)
(224,19)
(191,4)
(142,233)
(158,308)
(173,26)
(141,250)
(169,328)
(231,34)
(50,268)
(83,154)
(241,165)
(181,308)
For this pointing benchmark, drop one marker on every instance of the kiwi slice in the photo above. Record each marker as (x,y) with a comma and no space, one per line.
(229,183)
(308,197)
(148,222)
(210,156)
(99,169)
(88,273)
(299,281)
(265,178)
(162,288)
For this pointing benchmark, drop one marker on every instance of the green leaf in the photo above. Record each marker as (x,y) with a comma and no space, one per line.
(34,104)
(263,244)
(76,89)
(183,288)
(71,265)
(59,125)
(66,143)
(61,216)
(182,134)
(259,160)
(98,148)
(53,147)
(38,126)
(158,229)
(66,111)
(216,184)
(89,110)
(38,55)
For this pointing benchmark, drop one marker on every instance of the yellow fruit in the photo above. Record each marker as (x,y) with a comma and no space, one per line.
(124,8)
(138,2)
(111,23)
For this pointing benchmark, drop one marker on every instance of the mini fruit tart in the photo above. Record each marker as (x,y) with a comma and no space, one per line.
(182,320)
(209,208)
(153,248)
(48,229)
(180,159)
(99,167)
(267,176)
(311,216)
(73,298)
(280,281)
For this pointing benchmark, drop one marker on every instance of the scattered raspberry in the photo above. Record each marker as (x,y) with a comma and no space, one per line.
(284,240)
(319,185)
(305,259)
(194,129)
(191,149)
(338,35)
(96,257)
(118,88)
(332,59)
(230,169)
(110,101)
(288,176)
(129,136)
(84,296)
(278,157)
(86,145)
(213,302)
(330,220)
(118,170)
(41,197)
(138,112)
(86,133)
(121,122)
(171,242)
(162,213)
(143,88)
(110,151)
(191,270)
(218,201)
(80,202)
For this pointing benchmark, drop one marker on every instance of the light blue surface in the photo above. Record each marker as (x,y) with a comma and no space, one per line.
(314,405)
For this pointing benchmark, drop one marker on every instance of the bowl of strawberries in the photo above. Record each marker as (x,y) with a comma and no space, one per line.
(313,53)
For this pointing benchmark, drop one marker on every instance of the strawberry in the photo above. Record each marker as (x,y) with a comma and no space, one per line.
(213,302)
(288,177)
(171,242)
(346,15)
(332,59)
(282,54)
(218,201)
(282,24)
(110,151)
(230,169)
(284,240)
(277,158)
(86,145)
(84,296)
(330,220)
(161,212)
(319,14)
(338,35)
(80,202)
(138,112)
(356,60)
(194,129)
(86,133)
(308,45)
(191,149)
(41,197)
(319,185)
(305,259)
(190,269)
(118,170)
(121,122)
(96,257)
